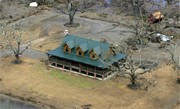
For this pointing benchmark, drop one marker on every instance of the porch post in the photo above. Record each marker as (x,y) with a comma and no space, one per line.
(63,64)
(70,66)
(79,68)
(87,70)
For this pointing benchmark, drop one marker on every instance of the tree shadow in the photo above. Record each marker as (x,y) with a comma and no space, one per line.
(134,86)
(16,61)
(74,25)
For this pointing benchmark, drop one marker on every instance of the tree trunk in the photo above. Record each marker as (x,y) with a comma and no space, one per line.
(17,61)
(133,79)
(71,19)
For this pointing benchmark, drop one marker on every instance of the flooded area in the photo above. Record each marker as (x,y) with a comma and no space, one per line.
(11,103)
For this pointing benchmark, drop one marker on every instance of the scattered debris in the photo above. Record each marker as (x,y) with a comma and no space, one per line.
(33,4)
(158,38)
(87,106)
(135,43)
(155,17)
(164,38)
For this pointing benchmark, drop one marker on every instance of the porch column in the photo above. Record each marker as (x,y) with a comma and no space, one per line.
(87,70)
(95,75)
(63,64)
(70,66)
(79,68)
(103,77)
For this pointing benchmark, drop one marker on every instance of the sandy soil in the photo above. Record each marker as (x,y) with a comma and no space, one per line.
(31,80)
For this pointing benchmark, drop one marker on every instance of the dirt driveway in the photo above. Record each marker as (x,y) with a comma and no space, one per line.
(46,31)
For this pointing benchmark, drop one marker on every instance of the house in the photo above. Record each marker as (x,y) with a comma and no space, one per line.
(84,56)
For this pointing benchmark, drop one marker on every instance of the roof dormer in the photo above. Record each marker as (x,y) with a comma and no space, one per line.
(95,52)
(81,49)
(68,46)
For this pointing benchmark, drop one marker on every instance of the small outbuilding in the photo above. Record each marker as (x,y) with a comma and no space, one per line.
(84,56)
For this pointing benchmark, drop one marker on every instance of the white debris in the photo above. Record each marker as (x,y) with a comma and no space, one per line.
(163,37)
(33,4)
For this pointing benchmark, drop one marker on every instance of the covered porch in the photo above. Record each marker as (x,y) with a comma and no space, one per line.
(79,68)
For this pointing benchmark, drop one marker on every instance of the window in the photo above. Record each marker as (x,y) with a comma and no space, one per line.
(67,50)
(79,53)
(93,56)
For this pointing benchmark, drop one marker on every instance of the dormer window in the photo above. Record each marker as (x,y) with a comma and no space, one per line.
(79,52)
(67,49)
(112,51)
(81,49)
(93,55)
(95,52)
(68,46)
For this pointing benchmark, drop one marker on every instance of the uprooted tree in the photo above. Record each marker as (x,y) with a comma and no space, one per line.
(13,39)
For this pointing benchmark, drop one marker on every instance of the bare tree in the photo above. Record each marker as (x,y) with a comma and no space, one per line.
(13,39)
(129,69)
(72,9)
(133,72)
(74,6)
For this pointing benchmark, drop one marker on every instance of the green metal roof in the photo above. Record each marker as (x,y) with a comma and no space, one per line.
(84,47)
(87,45)
(70,44)
(97,50)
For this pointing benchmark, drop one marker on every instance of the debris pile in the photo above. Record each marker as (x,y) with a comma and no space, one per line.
(155,17)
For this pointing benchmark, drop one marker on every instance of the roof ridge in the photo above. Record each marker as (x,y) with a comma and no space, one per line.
(87,39)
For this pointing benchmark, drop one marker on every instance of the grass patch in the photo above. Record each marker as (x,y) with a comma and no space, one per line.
(69,78)
(74,80)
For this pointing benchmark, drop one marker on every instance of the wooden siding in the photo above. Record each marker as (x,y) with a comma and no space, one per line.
(79,52)
(67,49)
(93,55)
